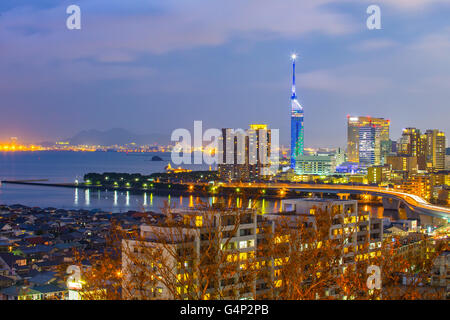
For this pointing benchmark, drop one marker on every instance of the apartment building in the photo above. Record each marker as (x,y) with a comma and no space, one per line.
(361,235)
(185,249)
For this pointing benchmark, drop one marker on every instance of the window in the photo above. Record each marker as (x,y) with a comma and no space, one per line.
(198,221)
(21,262)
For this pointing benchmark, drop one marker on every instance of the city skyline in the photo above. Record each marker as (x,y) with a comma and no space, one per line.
(97,77)
(231,150)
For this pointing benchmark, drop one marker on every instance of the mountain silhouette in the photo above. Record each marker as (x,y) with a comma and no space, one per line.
(117,136)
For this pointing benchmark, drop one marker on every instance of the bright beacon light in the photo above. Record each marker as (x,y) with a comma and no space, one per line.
(294,56)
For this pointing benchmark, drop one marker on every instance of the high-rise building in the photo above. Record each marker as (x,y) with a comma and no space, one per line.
(365,137)
(412,144)
(367,145)
(182,250)
(347,222)
(245,155)
(297,129)
(435,149)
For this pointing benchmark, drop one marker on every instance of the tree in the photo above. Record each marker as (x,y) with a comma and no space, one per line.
(191,255)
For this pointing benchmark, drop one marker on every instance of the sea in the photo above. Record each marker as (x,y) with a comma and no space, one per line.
(69,166)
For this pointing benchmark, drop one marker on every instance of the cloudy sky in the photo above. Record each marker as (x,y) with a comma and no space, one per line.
(157,65)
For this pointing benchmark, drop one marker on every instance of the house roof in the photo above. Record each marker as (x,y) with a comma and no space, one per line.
(47,263)
(18,291)
(35,240)
(9,258)
(48,288)
(62,246)
(43,278)
(36,249)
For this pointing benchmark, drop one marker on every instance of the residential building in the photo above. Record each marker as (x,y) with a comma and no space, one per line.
(411,144)
(435,150)
(419,185)
(245,155)
(194,234)
(357,230)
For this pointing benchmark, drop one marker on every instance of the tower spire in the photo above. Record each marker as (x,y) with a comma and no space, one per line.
(297,131)
(293,57)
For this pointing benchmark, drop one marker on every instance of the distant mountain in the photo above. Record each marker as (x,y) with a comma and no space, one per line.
(117,136)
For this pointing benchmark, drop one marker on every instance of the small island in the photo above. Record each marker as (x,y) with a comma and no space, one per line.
(157,158)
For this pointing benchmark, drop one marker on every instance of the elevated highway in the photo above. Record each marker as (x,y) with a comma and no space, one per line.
(394,198)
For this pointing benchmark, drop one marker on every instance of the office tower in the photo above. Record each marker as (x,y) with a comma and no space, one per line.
(367,145)
(373,131)
(297,129)
(412,144)
(320,165)
(435,149)
(245,155)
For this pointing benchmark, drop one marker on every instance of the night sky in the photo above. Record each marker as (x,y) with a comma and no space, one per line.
(153,66)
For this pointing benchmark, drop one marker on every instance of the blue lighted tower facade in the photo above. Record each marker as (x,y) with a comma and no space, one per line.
(296,122)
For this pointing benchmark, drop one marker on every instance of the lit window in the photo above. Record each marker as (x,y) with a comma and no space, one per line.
(198,221)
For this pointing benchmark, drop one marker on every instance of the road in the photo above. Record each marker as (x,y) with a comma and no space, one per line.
(413,201)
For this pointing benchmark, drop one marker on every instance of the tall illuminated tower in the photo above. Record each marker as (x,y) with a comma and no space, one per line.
(296,121)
